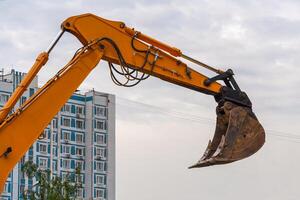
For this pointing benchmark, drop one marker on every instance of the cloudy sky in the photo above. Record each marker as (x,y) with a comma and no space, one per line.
(163,128)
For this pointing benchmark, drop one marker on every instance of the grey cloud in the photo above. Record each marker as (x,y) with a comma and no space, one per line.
(258,39)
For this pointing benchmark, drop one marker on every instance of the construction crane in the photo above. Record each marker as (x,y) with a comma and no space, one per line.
(135,56)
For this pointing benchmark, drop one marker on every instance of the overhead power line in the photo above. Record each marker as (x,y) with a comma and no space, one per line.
(203,120)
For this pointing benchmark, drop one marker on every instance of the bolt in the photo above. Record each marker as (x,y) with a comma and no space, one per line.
(101,46)
(122,25)
(225,89)
(7,151)
(230,71)
(207,82)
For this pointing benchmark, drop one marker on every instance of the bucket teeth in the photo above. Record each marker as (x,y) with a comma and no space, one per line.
(220,147)
(206,153)
(238,135)
(221,127)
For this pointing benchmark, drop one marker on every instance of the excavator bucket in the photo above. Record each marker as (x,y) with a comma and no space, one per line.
(238,135)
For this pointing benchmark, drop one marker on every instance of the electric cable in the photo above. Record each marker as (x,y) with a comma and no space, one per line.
(281,135)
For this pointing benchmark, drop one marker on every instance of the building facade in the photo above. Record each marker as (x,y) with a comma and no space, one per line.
(81,135)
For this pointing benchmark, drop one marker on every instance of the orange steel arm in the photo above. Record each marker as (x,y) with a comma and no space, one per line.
(19,130)
(40,61)
(89,27)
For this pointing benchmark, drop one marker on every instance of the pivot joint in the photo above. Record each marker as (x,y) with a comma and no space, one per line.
(230,92)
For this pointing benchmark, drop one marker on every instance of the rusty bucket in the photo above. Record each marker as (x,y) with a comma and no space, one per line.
(238,135)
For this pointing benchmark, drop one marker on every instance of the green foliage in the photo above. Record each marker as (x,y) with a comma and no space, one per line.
(50,188)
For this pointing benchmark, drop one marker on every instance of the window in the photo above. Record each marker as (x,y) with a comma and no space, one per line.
(100,179)
(64,176)
(79,164)
(79,110)
(79,124)
(100,139)
(66,135)
(79,178)
(54,138)
(79,138)
(66,122)
(44,134)
(79,193)
(6,188)
(22,160)
(66,149)
(22,189)
(43,148)
(100,166)
(4,98)
(30,157)
(79,151)
(54,149)
(66,108)
(100,111)
(66,164)
(43,163)
(31,91)
(100,124)
(54,122)
(23,99)
(99,193)
(100,152)
(54,165)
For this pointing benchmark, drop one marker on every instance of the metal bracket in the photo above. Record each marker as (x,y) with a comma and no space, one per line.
(227,77)
(235,96)
(230,92)
(7,151)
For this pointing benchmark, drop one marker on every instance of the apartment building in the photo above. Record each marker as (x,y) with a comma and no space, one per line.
(81,135)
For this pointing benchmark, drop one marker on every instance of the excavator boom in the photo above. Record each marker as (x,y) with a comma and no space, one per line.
(133,56)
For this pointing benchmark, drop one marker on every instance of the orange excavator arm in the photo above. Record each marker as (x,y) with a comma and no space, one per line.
(137,56)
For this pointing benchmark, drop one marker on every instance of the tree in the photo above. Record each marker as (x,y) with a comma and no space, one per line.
(50,188)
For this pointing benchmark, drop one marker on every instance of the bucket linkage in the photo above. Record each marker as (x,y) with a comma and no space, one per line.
(238,132)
